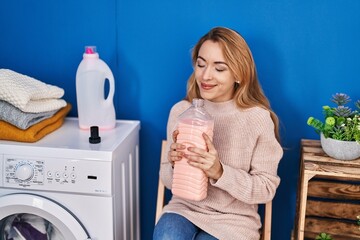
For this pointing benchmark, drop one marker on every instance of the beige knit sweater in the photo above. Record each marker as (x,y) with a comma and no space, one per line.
(249,154)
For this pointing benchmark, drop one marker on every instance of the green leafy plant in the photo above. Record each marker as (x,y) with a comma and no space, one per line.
(340,122)
(323,236)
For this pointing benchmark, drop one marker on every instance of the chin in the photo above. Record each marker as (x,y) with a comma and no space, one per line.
(205,96)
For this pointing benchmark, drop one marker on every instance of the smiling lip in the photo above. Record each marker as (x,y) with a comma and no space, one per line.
(207,86)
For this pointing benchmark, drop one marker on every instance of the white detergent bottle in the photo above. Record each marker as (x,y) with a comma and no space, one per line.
(94,109)
(190,182)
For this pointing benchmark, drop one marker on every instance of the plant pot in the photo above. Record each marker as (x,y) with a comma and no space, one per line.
(341,150)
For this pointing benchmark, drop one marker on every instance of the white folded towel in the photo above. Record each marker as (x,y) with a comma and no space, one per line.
(29,94)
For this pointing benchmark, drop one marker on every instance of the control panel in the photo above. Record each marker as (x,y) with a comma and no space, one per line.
(71,175)
(24,172)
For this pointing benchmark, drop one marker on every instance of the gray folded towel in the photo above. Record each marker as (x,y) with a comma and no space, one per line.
(20,119)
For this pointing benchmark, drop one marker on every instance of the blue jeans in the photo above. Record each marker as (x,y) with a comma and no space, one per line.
(172,226)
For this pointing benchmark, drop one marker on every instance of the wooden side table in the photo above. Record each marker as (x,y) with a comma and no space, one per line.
(328,198)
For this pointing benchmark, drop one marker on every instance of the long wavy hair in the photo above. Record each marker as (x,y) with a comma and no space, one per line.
(248,93)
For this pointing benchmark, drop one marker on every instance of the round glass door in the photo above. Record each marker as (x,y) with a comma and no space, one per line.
(32,217)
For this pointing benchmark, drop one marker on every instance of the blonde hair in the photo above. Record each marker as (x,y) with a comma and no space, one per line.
(238,56)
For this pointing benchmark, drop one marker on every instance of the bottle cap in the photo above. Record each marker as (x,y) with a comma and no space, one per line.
(90,49)
(198,102)
(94,135)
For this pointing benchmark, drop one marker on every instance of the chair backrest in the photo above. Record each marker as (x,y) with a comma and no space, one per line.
(266,226)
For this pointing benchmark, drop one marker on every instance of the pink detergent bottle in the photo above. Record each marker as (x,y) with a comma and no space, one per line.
(94,109)
(190,182)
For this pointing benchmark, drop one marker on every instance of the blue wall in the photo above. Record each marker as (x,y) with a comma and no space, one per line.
(304,50)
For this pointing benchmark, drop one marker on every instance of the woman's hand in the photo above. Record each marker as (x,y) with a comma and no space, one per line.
(207,160)
(176,150)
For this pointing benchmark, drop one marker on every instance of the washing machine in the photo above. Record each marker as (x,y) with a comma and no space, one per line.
(65,188)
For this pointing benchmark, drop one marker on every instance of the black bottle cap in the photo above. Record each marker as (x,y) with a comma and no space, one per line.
(94,135)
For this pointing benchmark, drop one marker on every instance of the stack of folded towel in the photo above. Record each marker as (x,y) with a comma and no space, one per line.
(29,108)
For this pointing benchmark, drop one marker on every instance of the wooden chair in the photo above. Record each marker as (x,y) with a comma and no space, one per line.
(266,227)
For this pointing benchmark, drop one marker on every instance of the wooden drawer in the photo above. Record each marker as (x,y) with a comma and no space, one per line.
(332,207)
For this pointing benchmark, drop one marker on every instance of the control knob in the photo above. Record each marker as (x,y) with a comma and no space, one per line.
(24,172)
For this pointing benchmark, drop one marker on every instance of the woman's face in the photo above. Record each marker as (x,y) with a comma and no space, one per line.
(212,73)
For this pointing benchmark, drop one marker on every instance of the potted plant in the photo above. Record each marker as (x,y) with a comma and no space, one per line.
(340,130)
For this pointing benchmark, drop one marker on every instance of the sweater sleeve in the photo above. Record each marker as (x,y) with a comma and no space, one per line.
(259,184)
(166,170)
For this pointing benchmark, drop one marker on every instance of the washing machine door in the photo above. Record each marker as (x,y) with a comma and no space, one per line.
(29,206)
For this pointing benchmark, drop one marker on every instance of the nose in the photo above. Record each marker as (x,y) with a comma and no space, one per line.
(207,74)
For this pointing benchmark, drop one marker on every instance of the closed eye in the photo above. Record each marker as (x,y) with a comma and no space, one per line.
(200,62)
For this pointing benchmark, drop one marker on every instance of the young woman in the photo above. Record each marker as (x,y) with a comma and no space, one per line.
(241,161)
